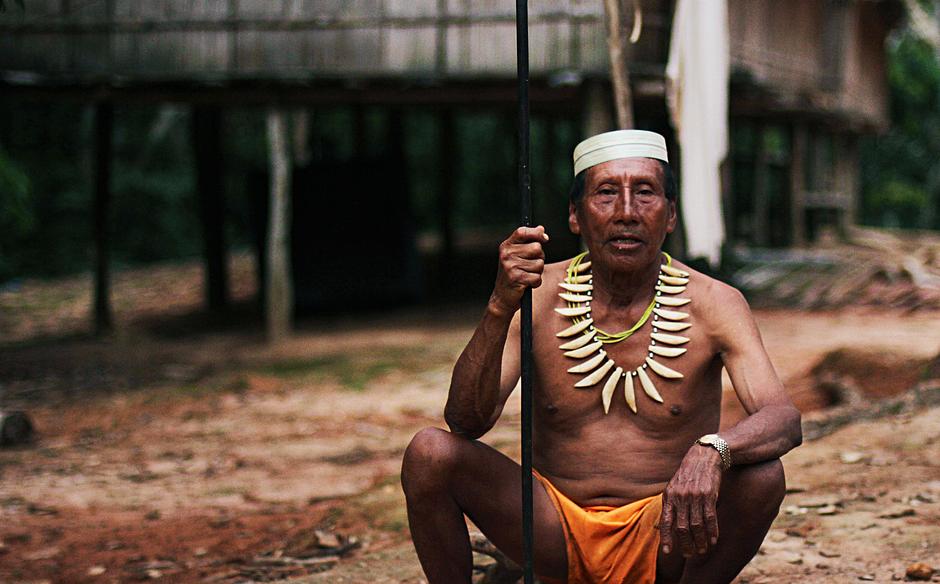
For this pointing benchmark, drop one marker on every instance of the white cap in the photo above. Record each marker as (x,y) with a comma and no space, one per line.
(619,144)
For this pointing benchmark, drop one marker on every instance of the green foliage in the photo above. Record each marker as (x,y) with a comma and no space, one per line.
(900,203)
(16,216)
(153,184)
(900,170)
(3,5)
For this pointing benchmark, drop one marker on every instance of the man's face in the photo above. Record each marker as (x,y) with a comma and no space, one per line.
(624,215)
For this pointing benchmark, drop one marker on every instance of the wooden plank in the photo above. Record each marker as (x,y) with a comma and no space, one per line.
(278,287)
(208,155)
(760,219)
(104,123)
(797,184)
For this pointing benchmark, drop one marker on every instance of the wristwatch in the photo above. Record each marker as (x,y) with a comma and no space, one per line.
(719,444)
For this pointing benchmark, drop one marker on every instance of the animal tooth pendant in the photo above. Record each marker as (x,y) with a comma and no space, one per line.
(586,342)
(674,327)
(575,311)
(674,302)
(568,297)
(577,288)
(647,385)
(671,314)
(575,328)
(597,375)
(673,281)
(584,351)
(675,272)
(609,387)
(629,392)
(578,342)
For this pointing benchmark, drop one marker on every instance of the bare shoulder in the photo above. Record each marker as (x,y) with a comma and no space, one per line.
(551,276)
(718,305)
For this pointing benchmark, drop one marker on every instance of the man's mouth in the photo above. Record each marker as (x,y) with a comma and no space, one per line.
(625,241)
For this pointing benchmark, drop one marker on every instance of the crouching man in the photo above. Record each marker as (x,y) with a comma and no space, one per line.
(634,485)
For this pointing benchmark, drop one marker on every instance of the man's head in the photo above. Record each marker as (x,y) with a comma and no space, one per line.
(623,203)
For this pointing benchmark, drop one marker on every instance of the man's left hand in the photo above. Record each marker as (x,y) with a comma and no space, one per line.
(690,518)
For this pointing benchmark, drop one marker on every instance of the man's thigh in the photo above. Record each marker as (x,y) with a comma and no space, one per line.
(487,486)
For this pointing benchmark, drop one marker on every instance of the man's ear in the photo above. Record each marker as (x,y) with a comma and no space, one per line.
(573,219)
(673,219)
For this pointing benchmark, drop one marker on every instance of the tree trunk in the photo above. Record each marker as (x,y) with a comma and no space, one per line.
(619,73)
(207,147)
(279,294)
(104,122)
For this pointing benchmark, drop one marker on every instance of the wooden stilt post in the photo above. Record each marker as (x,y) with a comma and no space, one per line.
(525,196)
(279,294)
(619,74)
(447,185)
(104,124)
(207,147)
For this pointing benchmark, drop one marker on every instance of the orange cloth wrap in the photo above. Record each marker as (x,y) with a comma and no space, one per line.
(613,545)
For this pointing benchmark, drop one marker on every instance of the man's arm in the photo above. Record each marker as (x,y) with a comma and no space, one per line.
(489,366)
(771,429)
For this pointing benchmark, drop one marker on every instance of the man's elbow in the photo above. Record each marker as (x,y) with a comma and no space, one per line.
(794,426)
(463,426)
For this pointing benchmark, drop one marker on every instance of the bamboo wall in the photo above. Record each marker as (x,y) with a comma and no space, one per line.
(200,39)
(817,56)
(824,56)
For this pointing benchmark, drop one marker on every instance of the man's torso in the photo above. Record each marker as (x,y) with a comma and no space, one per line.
(619,457)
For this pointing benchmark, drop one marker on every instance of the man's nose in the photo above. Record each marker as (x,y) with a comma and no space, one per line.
(625,209)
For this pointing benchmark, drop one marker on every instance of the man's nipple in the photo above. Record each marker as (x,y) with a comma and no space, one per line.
(551,408)
(675,410)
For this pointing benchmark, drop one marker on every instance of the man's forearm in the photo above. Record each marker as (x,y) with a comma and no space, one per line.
(766,434)
(475,384)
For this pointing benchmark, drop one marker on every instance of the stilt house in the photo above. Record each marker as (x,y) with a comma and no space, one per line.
(808,79)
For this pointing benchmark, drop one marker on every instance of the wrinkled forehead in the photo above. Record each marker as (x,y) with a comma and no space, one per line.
(631,169)
(620,144)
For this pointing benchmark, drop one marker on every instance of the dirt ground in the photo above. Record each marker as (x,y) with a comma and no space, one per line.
(189,452)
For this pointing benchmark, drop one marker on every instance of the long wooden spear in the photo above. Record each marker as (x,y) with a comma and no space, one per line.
(525,196)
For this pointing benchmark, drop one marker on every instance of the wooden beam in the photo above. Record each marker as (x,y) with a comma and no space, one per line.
(798,184)
(447,185)
(207,147)
(760,221)
(619,74)
(279,292)
(597,116)
(104,124)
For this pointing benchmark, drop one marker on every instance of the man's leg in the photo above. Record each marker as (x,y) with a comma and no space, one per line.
(445,477)
(748,503)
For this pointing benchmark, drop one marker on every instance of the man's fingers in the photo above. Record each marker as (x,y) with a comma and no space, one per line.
(697,527)
(711,522)
(534,266)
(528,234)
(665,528)
(682,527)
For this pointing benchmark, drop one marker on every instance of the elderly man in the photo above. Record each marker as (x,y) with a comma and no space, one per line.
(634,484)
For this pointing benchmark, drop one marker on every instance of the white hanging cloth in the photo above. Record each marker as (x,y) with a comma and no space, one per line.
(697,78)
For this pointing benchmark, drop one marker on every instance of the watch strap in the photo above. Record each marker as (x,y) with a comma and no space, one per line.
(718,443)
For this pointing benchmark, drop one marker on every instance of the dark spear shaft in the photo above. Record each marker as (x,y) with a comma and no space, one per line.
(525,195)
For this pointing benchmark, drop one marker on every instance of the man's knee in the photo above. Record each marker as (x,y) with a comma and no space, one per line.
(762,485)
(428,460)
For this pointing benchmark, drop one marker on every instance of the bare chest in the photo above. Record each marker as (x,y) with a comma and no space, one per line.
(655,379)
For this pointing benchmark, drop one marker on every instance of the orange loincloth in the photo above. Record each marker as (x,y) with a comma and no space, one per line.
(613,545)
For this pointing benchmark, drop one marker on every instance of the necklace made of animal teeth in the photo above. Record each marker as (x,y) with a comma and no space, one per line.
(577,289)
